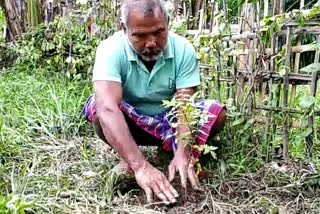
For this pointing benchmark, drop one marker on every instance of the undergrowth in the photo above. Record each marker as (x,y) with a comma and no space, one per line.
(51,161)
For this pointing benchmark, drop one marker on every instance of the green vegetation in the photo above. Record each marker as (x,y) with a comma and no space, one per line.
(2,25)
(51,161)
(63,47)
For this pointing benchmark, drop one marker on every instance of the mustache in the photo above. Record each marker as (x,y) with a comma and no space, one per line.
(151,52)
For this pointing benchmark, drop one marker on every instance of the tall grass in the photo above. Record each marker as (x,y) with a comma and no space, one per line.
(47,153)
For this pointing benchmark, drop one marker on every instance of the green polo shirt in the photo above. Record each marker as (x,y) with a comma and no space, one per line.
(176,68)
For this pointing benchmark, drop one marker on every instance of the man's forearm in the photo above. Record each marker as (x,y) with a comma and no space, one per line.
(117,134)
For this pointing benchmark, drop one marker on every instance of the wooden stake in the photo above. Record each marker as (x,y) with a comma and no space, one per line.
(309,139)
(285,139)
(313,91)
(266,8)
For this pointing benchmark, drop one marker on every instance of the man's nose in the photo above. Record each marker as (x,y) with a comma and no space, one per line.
(151,42)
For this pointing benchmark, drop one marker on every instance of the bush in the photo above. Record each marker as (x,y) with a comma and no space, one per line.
(62,46)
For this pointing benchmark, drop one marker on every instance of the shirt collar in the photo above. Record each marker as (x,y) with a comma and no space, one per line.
(132,56)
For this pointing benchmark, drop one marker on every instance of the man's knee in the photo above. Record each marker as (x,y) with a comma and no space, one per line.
(98,129)
(219,124)
(221,121)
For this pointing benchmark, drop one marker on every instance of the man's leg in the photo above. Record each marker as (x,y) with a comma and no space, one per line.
(219,124)
(141,137)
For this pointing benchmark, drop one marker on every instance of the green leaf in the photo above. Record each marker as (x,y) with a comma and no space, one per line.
(248,124)
(241,2)
(277,26)
(300,19)
(238,122)
(213,155)
(314,67)
(307,101)
(307,132)
(282,70)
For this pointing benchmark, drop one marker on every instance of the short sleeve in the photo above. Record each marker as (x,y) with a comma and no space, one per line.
(108,61)
(188,72)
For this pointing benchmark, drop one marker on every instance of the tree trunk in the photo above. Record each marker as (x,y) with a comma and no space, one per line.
(16,17)
(21,15)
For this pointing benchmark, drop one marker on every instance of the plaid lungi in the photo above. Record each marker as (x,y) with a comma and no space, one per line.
(158,125)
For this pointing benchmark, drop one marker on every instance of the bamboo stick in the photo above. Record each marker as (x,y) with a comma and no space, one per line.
(200,22)
(309,139)
(266,8)
(212,16)
(264,120)
(317,56)
(295,70)
(285,139)
(313,91)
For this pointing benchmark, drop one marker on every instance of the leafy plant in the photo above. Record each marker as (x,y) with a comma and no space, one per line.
(63,46)
(187,112)
(2,25)
(15,204)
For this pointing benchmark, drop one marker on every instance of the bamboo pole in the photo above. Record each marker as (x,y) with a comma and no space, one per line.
(285,139)
(212,17)
(266,8)
(33,13)
(201,21)
(295,70)
(251,55)
(313,91)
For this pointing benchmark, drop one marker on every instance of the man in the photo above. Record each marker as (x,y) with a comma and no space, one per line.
(134,71)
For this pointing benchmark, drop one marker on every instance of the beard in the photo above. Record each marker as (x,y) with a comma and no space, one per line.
(148,55)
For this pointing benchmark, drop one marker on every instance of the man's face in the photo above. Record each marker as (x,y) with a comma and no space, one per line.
(147,34)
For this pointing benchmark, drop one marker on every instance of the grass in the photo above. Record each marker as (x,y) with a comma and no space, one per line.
(51,162)
(44,144)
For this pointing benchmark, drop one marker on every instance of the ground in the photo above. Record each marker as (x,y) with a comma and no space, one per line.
(51,162)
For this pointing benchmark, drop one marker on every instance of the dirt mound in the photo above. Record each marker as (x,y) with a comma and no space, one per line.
(290,187)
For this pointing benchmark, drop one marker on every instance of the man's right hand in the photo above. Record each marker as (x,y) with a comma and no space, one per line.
(151,180)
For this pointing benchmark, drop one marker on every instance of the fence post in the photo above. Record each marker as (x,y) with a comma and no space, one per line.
(285,138)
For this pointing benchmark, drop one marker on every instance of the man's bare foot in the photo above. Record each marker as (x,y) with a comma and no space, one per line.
(122,168)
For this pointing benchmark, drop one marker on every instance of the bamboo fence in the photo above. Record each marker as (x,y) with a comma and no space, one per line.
(254,68)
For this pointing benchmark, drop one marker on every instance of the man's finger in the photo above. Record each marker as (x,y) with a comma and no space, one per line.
(183,176)
(158,192)
(148,192)
(172,172)
(167,192)
(193,178)
(173,190)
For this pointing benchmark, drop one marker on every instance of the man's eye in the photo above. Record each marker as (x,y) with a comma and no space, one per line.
(139,36)
(157,33)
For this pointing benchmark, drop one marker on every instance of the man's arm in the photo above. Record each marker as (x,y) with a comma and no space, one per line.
(108,97)
(181,159)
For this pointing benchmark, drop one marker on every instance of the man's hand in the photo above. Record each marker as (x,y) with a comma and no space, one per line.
(181,163)
(151,180)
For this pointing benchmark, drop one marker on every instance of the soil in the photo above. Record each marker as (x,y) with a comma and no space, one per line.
(294,188)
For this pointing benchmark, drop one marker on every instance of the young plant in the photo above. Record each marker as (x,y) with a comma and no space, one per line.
(187,112)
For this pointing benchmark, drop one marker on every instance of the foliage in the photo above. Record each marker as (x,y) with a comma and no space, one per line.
(47,154)
(273,24)
(187,112)
(179,26)
(233,9)
(14,204)
(40,114)
(63,46)
(2,25)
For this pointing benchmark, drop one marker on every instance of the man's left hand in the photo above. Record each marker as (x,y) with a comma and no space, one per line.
(181,163)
